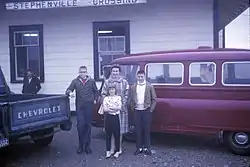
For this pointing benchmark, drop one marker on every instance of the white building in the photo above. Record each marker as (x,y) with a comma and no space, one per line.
(237,33)
(54,38)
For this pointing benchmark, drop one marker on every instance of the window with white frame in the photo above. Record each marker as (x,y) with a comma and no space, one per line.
(236,73)
(202,73)
(26,51)
(165,73)
(111,40)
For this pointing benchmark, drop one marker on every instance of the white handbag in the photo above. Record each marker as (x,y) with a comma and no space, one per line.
(100,111)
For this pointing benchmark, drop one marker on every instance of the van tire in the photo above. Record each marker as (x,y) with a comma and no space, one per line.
(43,142)
(130,137)
(230,139)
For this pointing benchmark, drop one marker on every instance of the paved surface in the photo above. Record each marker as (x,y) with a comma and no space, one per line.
(169,151)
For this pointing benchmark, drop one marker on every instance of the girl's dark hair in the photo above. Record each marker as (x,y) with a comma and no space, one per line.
(110,87)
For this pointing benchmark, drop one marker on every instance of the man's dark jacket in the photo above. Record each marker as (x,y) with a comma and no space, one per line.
(33,87)
(85,92)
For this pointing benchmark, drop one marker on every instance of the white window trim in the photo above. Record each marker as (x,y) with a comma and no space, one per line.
(182,78)
(222,71)
(189,76)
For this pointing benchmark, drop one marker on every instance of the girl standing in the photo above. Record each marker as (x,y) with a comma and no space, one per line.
(112,105)
(122,88)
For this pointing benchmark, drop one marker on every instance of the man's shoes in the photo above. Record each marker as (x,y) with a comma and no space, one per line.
(147,151)
(88,150)
(80,150)
(138,151)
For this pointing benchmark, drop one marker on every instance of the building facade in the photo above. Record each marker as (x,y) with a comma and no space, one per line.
(237,33)
(55,42)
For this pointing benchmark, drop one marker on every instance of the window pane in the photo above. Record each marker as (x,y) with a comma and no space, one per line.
(103,44)
(236,73)
(18,39)
(111,44)
(120,44)
(21,61)
(240,70)
(30,38)
(168,73)
(103,60)
(34,59)
(202,73)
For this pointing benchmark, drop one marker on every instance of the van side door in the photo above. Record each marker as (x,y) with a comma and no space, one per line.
(167,78)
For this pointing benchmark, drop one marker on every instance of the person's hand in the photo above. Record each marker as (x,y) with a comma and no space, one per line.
(71,95)
(68,92)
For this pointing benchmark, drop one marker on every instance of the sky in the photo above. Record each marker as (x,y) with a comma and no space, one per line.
(237,34)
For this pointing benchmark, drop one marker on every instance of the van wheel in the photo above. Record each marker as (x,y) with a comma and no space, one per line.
(130,137)
(238,142)
(44,141)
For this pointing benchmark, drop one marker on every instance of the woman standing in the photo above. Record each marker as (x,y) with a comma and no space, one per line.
(112,105)
(122,88)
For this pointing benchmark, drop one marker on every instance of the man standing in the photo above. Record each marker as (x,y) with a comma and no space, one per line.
(143,101)
(86,95)
(31,84)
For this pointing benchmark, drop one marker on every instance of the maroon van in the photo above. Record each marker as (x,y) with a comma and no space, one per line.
(201,91)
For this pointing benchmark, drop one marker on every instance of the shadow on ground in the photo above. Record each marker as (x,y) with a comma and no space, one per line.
(179,141)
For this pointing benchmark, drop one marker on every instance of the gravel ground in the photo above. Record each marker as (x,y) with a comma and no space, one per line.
(169,151)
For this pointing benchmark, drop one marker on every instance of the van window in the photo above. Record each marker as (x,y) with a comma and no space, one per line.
(129,72)
(202,73)
(165,73)
(236,73)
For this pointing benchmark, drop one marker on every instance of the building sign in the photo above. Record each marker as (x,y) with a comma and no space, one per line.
(67,4)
